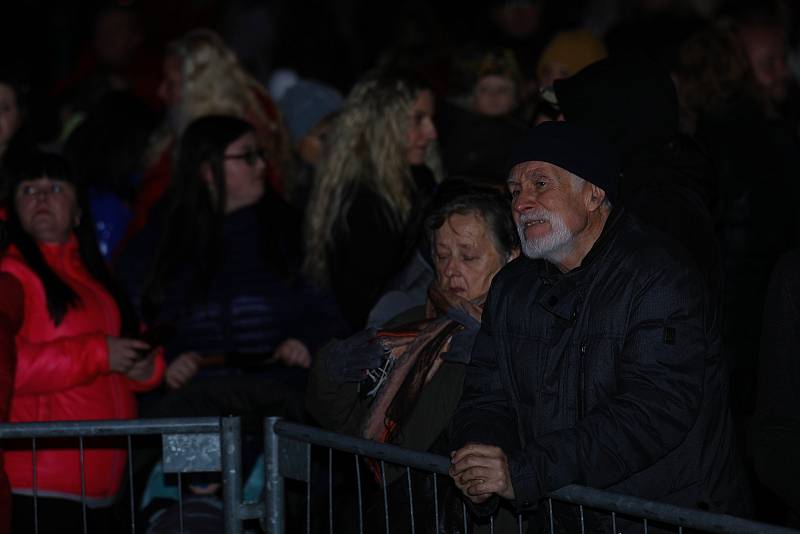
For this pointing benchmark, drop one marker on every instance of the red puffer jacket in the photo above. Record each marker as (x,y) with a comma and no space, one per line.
(63,374)
(10,320)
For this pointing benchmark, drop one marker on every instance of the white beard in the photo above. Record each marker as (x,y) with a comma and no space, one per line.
(552,247)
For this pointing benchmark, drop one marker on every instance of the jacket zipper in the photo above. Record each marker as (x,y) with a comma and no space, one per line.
(581,380)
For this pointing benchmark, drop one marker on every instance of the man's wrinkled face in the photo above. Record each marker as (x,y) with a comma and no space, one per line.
(547,205)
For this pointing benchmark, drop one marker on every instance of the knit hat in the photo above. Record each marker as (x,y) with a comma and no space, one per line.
(573,49)
(574,148)
(305,104)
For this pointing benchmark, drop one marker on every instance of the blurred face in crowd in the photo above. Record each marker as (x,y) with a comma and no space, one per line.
(117,36)
(519,18)
(494,96)
(47,209)
(170,89)
(310,146)
(245,172)
(465,256)
(421,130)
(766,51)
(9,115)
(548,205)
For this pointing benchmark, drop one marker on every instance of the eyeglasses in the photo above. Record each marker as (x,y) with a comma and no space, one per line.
(250,157)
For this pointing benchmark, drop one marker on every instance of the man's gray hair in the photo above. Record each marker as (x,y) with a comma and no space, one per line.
(577,183)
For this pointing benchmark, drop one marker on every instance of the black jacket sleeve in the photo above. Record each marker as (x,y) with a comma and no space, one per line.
(484,414)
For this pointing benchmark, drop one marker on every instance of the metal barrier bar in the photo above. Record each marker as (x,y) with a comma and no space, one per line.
(232,473)
(665,513)
(577,495)
(113,427)
(275,493)
(190,444)
(381,451)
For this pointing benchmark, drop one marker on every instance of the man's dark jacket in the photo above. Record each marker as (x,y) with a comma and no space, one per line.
(608,376)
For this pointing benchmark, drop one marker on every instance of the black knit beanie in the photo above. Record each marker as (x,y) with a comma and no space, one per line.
(574,148)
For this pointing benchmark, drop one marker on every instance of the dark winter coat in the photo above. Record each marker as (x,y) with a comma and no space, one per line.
(609,375)
(776,428)
(369,246)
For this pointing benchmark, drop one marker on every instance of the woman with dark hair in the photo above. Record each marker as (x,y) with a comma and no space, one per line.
(77,356)
(202,76)
(401,384)
(224,274)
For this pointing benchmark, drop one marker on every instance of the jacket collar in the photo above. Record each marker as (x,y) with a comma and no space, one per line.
(562,294)
(60,253)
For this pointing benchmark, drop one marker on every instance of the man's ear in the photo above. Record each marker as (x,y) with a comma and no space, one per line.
(594,196)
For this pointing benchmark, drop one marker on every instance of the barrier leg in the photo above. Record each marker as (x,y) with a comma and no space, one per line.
(275,492)
(232,473)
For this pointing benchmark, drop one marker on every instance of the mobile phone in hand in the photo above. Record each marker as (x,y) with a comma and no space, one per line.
(157,336)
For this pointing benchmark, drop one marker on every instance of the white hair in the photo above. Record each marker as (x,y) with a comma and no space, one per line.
(557,244)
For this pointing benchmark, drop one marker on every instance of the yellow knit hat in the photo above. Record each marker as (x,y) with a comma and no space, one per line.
(573,49)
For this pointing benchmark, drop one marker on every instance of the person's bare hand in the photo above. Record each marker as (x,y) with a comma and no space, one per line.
(143,368)
(481,470)
(181,370)
(293,353)
(123,353)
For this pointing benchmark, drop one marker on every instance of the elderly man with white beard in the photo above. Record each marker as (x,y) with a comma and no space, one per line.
(598,360)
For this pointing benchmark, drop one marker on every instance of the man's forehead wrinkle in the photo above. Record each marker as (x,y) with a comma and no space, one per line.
(537,170)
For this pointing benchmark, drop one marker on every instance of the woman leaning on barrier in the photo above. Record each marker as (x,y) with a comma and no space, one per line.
(77,356)
(400,384)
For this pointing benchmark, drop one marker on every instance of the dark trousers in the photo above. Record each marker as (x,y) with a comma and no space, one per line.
(61,516)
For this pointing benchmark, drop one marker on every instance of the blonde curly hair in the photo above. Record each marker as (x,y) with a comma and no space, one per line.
(213,82)
(367,146)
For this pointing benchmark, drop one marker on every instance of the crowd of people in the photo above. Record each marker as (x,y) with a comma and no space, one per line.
(561,250)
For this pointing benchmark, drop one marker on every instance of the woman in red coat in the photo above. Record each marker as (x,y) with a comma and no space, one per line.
(77,357)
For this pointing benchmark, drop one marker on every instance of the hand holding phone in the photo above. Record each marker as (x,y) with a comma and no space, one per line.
(156,336)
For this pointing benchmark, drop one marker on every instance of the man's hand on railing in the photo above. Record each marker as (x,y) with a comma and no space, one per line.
(480,471)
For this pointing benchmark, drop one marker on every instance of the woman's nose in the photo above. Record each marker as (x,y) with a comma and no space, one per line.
(430,130)
(451,268)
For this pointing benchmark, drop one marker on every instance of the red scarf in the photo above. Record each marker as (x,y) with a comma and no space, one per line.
(417,350)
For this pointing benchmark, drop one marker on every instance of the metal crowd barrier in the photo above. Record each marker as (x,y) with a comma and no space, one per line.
(214,444)
(288,456)
(204,444)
